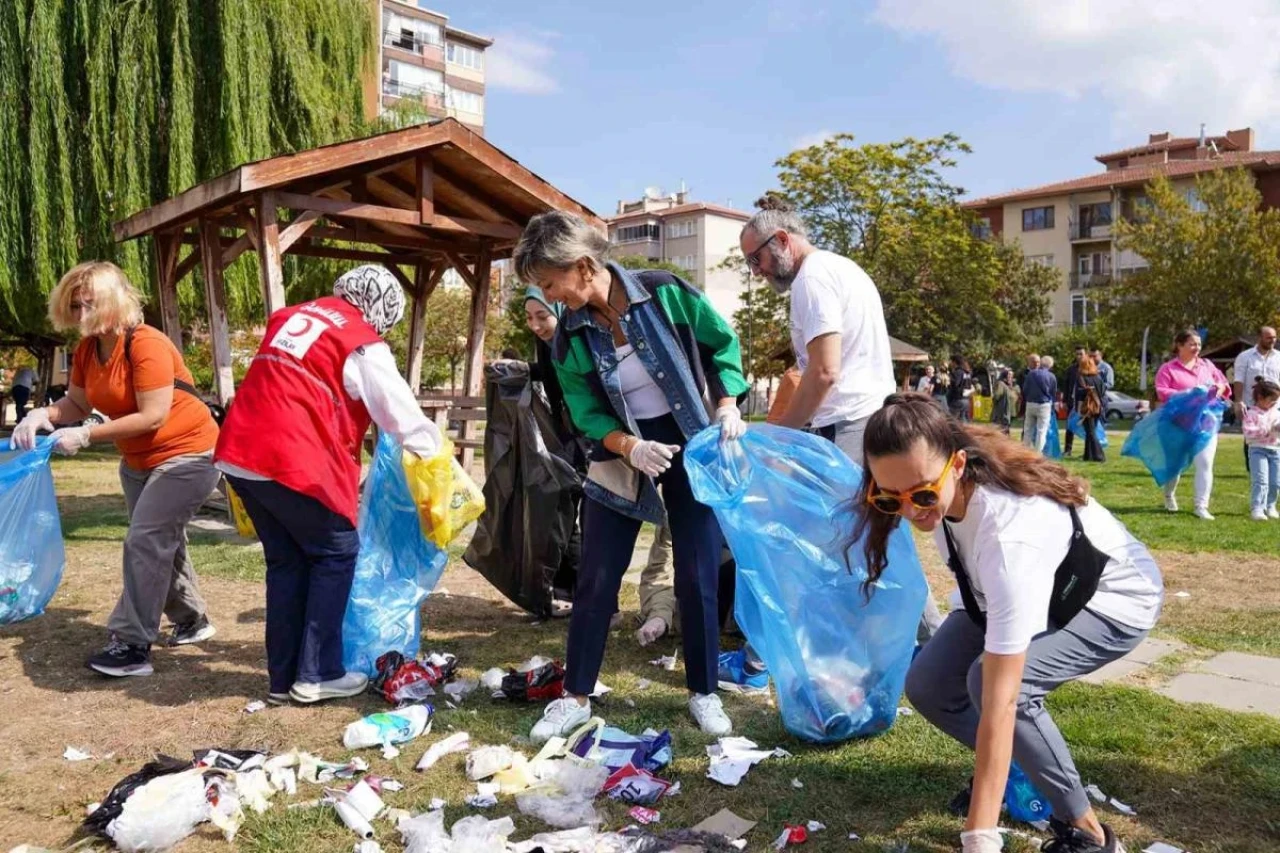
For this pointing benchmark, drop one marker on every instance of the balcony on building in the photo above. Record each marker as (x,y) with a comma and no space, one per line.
(1090,280)
(415,36)
(424,96)
(1091,222)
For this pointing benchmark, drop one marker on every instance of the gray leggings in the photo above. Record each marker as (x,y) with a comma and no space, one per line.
(945,686)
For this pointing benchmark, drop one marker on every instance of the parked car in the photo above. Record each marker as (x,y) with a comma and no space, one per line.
(1123,406)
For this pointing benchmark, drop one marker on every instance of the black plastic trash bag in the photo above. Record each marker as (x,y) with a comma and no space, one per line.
(529,492)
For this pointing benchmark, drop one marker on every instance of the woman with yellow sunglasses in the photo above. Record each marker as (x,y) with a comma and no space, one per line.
(1053,587)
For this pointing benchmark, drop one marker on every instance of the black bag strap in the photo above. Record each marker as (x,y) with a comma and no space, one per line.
(178,384)
(962,579)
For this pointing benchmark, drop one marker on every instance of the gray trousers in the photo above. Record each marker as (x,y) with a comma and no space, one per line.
(658,581)
(1035,425)
(847,435)
(158,577)
(945,686)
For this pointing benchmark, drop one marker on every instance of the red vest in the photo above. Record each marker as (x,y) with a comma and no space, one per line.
(292,420)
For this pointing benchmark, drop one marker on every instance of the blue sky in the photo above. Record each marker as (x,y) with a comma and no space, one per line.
(606,98)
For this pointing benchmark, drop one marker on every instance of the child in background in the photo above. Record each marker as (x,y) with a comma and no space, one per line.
(1262,435)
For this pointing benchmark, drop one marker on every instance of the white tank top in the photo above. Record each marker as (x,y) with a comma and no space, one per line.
(644,398)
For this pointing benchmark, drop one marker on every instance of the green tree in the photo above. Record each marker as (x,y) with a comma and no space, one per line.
(763,323)
(448,319)
(891,208)
(640,262)
(1217,267)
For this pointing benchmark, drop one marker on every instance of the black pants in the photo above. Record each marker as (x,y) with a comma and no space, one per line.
(608,540)
(566,577)
(21,394)
(1093,451)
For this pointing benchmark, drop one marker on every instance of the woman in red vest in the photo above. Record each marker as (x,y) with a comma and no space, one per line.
(291,449)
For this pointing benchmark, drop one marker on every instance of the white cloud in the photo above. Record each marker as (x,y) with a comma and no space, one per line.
(1154,66)
(810,139)
(521,63)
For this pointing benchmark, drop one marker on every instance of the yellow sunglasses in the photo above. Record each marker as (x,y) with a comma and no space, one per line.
(924,497)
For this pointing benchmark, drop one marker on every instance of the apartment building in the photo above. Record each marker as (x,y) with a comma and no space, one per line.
(1068,224)
(695,236)
(424,59)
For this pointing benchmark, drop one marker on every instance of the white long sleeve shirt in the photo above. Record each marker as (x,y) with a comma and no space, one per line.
(370,375)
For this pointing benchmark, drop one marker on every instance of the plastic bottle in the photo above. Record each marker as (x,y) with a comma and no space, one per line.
(1022,799)
(390,727)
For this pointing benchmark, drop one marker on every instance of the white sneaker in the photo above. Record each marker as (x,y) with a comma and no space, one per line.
(1258,514)
(1170,503)
(560,718)
(1271,512)
(1202,512)
(709,713)
(351,684)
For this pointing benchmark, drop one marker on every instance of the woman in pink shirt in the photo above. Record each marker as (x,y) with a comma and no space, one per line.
(1184,371)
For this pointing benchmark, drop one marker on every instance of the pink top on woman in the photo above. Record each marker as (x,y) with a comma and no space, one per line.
(1174,376)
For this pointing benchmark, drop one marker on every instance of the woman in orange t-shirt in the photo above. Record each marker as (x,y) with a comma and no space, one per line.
(134,375)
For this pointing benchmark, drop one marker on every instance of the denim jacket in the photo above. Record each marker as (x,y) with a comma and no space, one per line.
(687,348)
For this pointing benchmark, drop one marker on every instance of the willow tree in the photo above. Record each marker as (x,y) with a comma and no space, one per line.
(111,106)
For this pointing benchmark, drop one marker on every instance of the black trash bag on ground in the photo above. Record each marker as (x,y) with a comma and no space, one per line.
(529,492)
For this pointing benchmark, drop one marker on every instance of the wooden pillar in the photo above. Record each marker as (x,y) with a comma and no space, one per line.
(270,262)
(215,300)
(426,190)
(166,257)
(425,279)
(474,372)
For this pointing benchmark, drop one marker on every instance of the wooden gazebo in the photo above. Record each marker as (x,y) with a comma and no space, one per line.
(418,200)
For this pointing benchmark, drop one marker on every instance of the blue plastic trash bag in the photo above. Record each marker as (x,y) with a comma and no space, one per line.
(1021,798)
(397,568)
(1167,440)
(31,551)
(838,660)
(1052,442)
(1075,426)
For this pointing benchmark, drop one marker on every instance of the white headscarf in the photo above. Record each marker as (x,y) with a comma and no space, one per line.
(376,292)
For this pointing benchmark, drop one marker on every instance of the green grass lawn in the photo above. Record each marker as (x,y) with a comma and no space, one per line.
(1200,778)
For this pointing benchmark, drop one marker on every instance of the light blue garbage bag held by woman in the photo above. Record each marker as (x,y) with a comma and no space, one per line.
(1168,439)
(31,550)
(396,570)
(1053,440)
(838,660)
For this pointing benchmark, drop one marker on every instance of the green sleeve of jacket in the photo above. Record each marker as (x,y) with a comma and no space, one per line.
(591,415)
(717,342)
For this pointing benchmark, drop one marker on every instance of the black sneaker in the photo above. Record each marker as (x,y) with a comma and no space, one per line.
(191,632)
(120,659)
(1069,839)
(959,805)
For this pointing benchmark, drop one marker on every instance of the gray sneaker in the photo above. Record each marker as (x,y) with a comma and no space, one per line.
(120,659)
(191,632)
(351,684)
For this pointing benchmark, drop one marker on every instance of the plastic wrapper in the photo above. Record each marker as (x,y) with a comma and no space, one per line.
(412,680)
(540,684)
(397,568)
(838,659)
(446,496)
(31,550)
(1170,437)
(1075,426)
(530,492)
(390,727)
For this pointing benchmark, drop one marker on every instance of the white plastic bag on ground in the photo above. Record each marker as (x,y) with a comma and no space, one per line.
(488,760)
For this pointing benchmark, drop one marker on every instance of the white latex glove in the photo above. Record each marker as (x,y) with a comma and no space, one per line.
(982,841)
(24,434)
(69,441)
(651,457)
(651,630)
(732,426)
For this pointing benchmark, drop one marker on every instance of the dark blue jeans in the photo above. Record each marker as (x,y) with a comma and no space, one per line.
(311,559)
(608,540)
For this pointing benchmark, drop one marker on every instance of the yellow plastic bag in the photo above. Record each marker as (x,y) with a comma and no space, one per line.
(244,524)
(446,496)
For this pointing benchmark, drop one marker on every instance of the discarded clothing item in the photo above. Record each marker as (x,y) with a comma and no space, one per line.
(633,785)
(538,684)
(156,807)
(457,742)
(614,748)
(32,554)
(396,568)
(1170,437)
(389,727)
(409,680)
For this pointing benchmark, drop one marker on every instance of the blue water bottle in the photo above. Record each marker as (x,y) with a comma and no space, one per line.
(1022,799)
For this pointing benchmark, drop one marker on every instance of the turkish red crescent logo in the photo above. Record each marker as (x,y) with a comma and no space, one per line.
(298,332)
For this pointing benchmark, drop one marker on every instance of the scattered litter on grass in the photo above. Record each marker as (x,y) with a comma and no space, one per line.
(1161,847)
(797,784)
(644,684)
(402,679)
(630,703)
(475,834)
(460,690)
(489,760)
(815,826)
(457,742)
(491,679)
(389,752)
(644,816)
(538,679)
(904,711)
(667,662)
(674,790)
(791,835)
(451,706)
(1122,808)
(73,754)
(255,706)
(394,816)
(1182,594)
(480,801)
(732,757)
(1095,793)
(435,804)
(367,847)
(853,836)
(388,727)
(636,786)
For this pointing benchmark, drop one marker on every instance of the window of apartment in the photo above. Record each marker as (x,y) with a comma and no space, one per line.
(686,262)
(1079,309)
(1096,263)
(981,228)
(467,102)
(1037,218)
(685,228)
(467,57)
(413,81)
(1192,195)
(637,233)
(1040,260)
(410,33)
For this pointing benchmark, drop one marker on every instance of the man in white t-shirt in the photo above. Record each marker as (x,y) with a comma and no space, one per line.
(837,329)
(1259,361)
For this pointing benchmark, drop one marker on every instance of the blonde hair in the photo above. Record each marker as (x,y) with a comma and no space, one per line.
(117,305)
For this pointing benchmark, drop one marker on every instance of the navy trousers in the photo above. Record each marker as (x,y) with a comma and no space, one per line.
(311,559)
(608,540)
